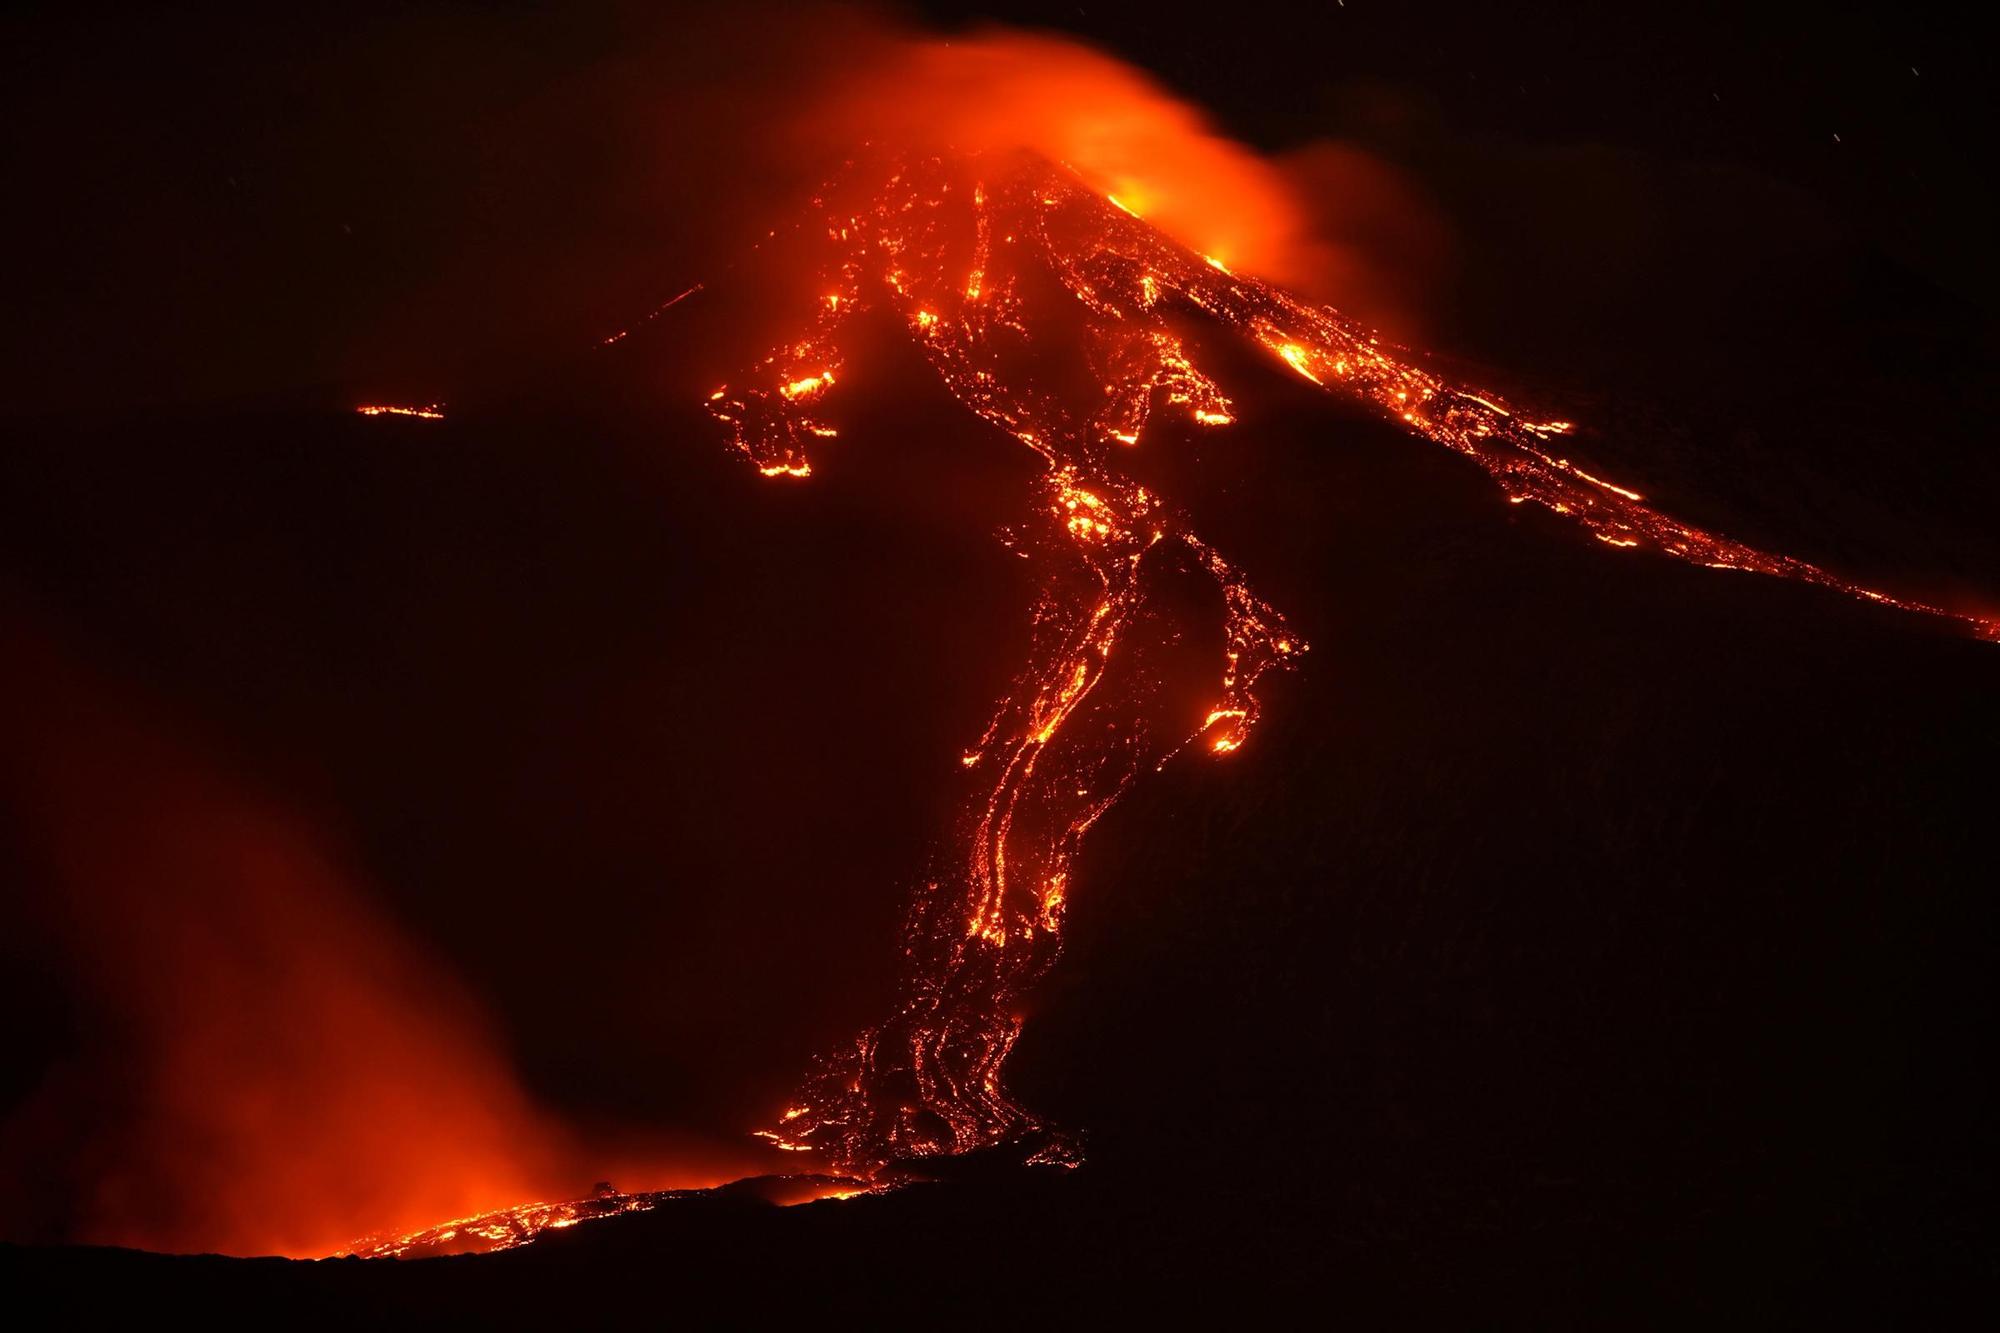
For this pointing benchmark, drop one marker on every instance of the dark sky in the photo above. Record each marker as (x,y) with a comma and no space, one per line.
(230,204)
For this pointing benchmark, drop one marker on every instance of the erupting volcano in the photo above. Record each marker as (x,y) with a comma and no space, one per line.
(992,260)
(1058,316)
(887,667)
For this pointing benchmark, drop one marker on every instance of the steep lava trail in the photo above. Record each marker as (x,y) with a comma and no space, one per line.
(1049,310)
(1057,315)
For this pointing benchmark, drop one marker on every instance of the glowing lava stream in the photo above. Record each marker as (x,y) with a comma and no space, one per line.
(510,1228)
(962,250)
(967,252)
(427,412)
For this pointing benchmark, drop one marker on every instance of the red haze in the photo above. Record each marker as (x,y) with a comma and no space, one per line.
(279,1070)
(1327,217)
(1002,89)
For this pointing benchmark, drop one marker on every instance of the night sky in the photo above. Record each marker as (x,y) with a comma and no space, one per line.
(338,171)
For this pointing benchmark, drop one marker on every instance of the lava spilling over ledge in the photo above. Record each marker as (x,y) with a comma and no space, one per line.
(989,260)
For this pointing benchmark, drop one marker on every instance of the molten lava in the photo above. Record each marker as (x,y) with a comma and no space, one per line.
(997,89)
(508,1228)
(963,248)
(991,260)
(426,412)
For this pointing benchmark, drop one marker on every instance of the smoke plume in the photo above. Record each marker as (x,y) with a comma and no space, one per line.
(270,1066)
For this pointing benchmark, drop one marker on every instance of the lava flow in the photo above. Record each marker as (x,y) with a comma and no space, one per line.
(425,412)
(994,262)
(510,1228)
(989,260)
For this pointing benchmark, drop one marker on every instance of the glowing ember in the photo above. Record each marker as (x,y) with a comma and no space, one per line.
(656,312)
(429,411)
(916,237)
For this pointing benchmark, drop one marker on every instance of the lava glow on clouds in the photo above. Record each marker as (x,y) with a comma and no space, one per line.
(997,89)
(275,1066)
(1326,217)
(285,1068)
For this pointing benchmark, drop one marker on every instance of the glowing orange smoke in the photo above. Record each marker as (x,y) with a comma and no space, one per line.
(288,1072)
(998,89)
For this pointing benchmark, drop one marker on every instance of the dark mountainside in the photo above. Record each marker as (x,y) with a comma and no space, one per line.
(1582,936)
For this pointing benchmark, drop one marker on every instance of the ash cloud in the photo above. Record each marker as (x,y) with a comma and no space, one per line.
(1327,217)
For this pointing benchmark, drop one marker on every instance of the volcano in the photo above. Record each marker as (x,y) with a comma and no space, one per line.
(1058,317)
(1394,777)
(1062,322)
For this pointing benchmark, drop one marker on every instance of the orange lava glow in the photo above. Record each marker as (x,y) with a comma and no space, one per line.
(276,1067)
(1035,193)
(1146,151)
(499,1229)
(959,246)
(428,412)
(522,1224)
(948,248)
(289,1070)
